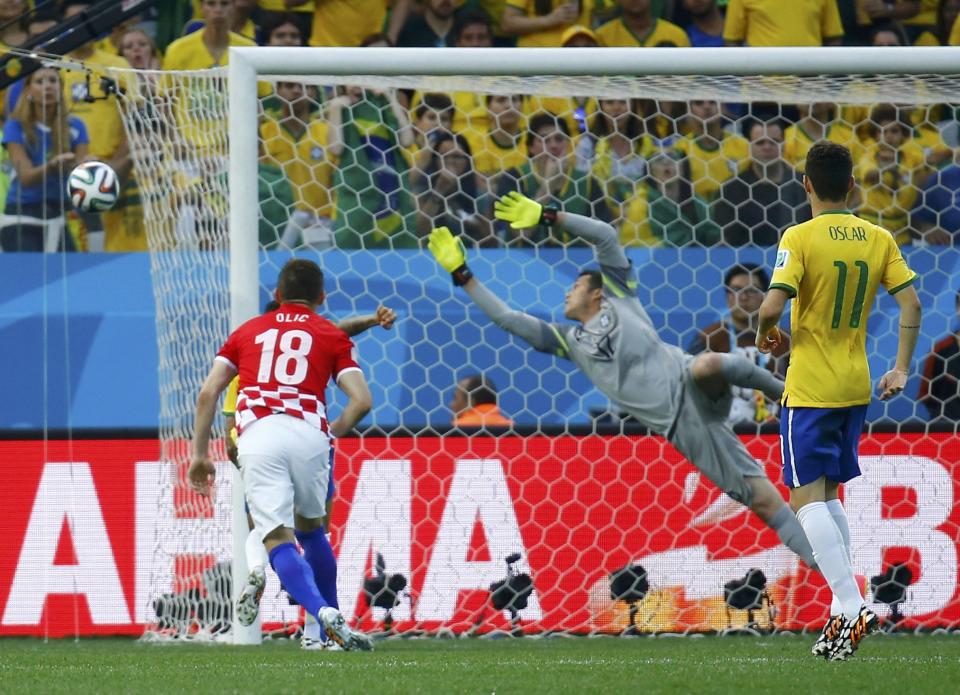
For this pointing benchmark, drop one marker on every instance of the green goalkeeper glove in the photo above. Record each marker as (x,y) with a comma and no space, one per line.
(450,254)
(522,212)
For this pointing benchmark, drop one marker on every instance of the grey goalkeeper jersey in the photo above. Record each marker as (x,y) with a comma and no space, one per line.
(618,349)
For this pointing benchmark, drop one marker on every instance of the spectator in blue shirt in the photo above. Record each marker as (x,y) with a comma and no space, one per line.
(706,30)
(936,215)
(44,144)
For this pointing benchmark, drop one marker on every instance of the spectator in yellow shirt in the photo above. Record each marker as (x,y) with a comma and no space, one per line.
(85,99)
(13,23)
(541,23)
(241,18)
(782,23)
(637,26)
(349,22)
(206,48)
(891,173)
(200,50)
(501,147)
(296,142)
(298,12)
(818,122)
(945,21)
(711,155)
(615,150)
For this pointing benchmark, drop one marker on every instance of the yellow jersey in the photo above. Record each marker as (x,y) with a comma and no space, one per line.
(615,33)
(927,16)
(954,39)
(281,6)
(469,111)
(710,166)
(347,22)
(490,159)
(198,97)
(797,142)
(191,53)
(101,116)
(123,224)
(576,111)
(230,397)
(782,22)
(550,38)
(832,266)
(304,161)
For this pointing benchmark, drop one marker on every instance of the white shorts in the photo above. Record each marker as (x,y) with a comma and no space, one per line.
(286,467)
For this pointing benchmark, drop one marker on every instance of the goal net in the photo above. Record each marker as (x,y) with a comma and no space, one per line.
(572,519)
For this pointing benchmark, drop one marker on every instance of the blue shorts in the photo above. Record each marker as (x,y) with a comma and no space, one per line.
(331,485)
(820,442)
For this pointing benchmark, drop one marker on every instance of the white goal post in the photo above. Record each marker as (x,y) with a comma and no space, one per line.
(728,74)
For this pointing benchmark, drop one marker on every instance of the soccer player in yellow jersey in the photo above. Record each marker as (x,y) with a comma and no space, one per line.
(832,267)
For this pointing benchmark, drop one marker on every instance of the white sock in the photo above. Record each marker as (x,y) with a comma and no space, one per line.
(831,556)
(840,519)
(311,628)
(256,553)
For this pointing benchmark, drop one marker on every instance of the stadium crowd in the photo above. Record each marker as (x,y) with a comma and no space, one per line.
(362,168)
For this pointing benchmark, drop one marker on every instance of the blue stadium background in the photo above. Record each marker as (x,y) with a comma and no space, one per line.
(78,337)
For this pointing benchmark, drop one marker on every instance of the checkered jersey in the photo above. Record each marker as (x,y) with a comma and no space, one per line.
(284,360)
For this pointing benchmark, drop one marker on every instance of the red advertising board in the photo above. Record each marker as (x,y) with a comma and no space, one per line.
(86,526)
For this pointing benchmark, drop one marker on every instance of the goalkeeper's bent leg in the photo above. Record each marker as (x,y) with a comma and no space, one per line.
(769,506)
(739,371)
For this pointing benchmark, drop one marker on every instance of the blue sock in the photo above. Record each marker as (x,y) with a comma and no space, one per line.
(297,577)
(319,555)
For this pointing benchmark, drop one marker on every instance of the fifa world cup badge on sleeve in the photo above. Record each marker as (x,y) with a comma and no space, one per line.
(782,257)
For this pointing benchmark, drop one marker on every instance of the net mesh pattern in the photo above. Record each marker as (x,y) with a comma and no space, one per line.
(607,532)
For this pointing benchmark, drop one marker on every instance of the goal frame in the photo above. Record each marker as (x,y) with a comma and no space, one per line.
(246,64)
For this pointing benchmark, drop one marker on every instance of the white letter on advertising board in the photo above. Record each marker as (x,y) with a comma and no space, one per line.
(478,491)
(66,493)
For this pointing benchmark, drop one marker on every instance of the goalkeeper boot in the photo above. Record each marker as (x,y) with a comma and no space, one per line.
(248,605)
(852,633)
(338,631)
(829,633)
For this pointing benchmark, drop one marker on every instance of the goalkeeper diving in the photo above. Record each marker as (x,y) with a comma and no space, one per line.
(684,398)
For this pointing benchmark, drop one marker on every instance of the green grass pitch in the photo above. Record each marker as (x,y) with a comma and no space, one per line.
(780,664)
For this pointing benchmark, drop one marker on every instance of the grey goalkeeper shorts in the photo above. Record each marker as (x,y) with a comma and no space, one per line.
(703,436)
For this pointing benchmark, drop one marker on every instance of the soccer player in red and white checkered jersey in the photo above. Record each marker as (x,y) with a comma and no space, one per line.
(285,360)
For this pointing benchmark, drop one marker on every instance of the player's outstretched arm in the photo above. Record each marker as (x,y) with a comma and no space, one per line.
(451,255)
(893,381)
(354,384)
(384,317)
(522,212)
(201,471)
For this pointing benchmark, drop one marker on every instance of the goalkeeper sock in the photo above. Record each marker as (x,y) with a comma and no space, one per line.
(297,577)
(785,523)
(827,544)
(319,555)
(255,551)
(739,371)
(840,519)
